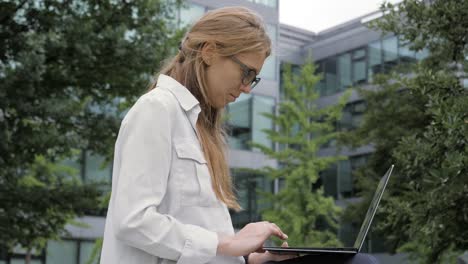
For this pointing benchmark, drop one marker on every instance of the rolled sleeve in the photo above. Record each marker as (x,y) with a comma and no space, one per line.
(143,154)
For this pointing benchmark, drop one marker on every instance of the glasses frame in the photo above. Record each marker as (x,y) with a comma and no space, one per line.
(246,72)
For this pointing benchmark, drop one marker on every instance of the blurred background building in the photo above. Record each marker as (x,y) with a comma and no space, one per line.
(348,55)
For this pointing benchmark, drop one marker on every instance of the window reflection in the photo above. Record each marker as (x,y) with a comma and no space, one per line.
(249,186)
(246,122)
(240,122)
(269,67)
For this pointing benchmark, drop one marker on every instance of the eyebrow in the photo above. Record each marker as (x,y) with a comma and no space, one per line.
(252,68)
(257,72)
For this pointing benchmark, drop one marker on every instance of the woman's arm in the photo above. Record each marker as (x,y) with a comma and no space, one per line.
(143,159)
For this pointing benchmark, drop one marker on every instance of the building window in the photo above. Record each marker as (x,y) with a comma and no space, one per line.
(404,53)
(21,261)
(65,251)
(359,66)
(338,180)
(269,69)
(86,249)
(261,105)
(390,53)
(374,59)
(245,121)
(69,251)
(330,75)
(352,116)
(344,70)
(328,179)
(249,187)
(96,169)
(344,180)
(189,14)
(239,122)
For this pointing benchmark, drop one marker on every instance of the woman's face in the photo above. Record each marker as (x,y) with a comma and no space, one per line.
(224,76)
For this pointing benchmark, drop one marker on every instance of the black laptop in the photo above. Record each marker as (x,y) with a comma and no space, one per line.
(360,238)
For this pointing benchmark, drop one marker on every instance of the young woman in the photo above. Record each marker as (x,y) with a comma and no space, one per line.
(171,187)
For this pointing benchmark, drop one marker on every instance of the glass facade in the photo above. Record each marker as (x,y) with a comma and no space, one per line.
(261,105)
(86,249)
(357,67)
(240,122)
(248,188)
(245,121)
(59,252)
(269,69)
(352,116)
(96,169)
(337,180)
(91,167)
(69,251)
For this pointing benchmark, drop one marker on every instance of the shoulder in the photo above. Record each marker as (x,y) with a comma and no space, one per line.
(154,104)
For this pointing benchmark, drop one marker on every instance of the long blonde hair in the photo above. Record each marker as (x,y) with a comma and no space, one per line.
(231,30)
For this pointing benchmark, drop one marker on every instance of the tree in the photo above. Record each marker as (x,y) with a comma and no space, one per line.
(38,206)
(68,69)
(300,208)
(418,120)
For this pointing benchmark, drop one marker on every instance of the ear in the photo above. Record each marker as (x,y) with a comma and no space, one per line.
(208,52)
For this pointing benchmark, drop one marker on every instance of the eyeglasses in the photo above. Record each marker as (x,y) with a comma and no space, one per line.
(249,75)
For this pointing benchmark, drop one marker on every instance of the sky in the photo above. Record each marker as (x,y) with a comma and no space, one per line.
(318,15)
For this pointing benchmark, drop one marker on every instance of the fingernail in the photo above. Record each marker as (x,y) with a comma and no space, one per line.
(285,236)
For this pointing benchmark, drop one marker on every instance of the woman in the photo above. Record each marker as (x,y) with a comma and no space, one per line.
(171,188)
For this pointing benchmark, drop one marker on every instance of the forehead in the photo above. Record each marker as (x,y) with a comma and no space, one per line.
(253,60)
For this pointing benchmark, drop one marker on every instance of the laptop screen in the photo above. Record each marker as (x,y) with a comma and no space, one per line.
(372,209)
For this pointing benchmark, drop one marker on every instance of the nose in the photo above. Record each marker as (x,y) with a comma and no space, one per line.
(246,88)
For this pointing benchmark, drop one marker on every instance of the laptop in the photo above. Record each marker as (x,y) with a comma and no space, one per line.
(360,238)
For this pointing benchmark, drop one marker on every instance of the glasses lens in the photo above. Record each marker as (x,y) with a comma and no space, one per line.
(254,83)
(249,78)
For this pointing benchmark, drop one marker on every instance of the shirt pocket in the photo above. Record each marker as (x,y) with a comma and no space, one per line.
(194,176)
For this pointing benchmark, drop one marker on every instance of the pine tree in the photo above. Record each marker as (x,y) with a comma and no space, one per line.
(301,208)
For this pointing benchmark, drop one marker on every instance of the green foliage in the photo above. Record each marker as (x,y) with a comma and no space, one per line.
(68,71)
(440,26)
(302,211)
(38,206)
(419,122)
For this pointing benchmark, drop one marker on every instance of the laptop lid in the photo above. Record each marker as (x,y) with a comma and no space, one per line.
(372,209)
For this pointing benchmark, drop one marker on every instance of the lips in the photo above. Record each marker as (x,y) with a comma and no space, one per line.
(233,97)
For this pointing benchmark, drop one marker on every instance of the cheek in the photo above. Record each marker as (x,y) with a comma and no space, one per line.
(223,78)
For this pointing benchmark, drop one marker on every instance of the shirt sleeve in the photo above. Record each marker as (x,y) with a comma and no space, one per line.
(144,153)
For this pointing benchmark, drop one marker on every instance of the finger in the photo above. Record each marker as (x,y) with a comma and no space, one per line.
(282,234)
(285,244)
(284,257)
(273,230)
(260,250)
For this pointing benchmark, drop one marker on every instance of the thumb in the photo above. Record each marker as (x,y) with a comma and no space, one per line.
(285,244)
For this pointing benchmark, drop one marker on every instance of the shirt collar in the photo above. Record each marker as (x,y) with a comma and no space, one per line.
(186,99)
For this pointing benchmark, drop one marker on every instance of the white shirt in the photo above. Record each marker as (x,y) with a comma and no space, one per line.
(163,208)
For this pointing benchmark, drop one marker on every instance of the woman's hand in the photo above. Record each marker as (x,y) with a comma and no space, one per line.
(249,239)
(258,258)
